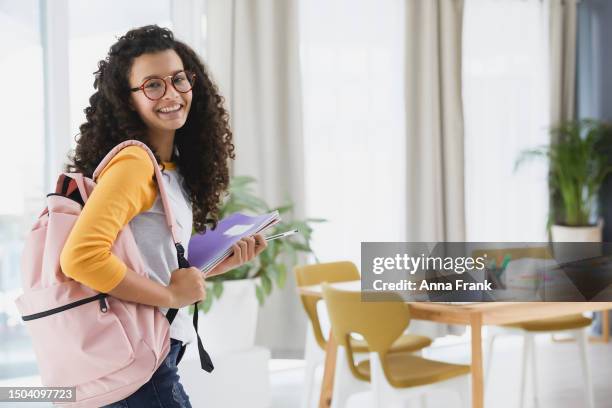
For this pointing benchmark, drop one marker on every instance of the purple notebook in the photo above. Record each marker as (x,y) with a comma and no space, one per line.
(205,251)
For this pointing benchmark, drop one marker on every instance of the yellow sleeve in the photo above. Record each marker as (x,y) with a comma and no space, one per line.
(124,189)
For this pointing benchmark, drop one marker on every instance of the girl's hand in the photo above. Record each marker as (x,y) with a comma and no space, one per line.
(245,250)
(186,287)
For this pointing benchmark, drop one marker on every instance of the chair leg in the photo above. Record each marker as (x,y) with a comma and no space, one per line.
(423,401)
(527,345)
(464,391)
(309,385)
(534,371)
(312,357)
(582,337)
(345,384)
(384,394)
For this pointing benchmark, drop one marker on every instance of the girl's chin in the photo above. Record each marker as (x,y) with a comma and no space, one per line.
(169,124)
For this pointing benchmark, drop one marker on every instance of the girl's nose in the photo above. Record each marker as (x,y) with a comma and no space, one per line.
(171,93)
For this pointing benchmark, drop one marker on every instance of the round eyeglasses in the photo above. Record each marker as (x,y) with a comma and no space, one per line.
(155,88)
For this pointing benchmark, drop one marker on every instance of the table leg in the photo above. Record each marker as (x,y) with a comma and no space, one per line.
(477,372)
(327,386)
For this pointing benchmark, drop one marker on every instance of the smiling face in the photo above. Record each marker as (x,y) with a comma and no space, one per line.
(169,112)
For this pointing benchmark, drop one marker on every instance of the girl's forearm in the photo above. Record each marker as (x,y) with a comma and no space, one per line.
(140,289)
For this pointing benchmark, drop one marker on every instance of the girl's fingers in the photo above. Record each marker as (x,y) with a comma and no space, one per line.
(251,248)
(248,248)
(261,244)
(243,251)
(238,253)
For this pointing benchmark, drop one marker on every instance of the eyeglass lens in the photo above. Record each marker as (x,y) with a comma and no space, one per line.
(155,88)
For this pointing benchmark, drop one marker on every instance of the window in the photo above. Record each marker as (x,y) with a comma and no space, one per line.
(94,27)
(21,168)
(353,123)
(506,109)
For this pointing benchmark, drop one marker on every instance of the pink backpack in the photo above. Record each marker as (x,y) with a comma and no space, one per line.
(105,347)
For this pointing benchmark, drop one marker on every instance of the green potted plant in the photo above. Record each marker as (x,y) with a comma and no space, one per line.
(229,312)
(579,161)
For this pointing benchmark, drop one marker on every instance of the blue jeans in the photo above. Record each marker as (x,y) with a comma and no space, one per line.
(163,390)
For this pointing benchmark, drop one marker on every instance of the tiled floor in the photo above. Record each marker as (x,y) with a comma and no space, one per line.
(559,375)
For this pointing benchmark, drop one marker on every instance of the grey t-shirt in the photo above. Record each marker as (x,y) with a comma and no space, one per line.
(157,248)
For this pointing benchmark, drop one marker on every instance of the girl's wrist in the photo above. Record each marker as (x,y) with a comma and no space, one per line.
(169,298)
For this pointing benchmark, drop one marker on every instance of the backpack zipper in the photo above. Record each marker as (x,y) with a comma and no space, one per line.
(103,305)
(100,297)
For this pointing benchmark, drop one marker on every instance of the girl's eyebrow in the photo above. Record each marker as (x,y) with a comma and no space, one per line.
(159,76)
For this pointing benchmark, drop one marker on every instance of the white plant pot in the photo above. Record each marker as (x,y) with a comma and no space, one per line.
(229,326)
(569,253)
(562,233)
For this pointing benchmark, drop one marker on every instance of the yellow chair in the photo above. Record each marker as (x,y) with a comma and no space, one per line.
(315,340)
(395,377)
(574,324)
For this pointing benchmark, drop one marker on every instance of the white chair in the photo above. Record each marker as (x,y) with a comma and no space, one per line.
(395,377)
(575,325)
(314,353)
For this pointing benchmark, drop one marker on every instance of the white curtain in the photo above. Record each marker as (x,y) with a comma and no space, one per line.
(506,93)
(562,36)
(252,50)
(434,121)
(434,129)
(562,30)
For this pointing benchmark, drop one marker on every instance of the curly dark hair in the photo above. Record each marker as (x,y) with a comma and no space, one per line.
(204,143)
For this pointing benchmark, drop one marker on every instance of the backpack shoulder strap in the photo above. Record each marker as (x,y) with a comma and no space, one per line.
(160,180)
(62,185)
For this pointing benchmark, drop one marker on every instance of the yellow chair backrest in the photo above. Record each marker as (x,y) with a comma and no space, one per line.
(316,274)
(380,323)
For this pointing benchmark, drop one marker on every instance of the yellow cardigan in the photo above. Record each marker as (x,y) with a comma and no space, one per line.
(124,189)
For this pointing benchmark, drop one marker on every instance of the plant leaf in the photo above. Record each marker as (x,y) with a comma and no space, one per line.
(259,294)
(282,275)
(283,209)
(272,265)
(301,247)
(316,220)
(291,253)
(266,283)
(241,181)
(577,159)
(217,288)
(207,303)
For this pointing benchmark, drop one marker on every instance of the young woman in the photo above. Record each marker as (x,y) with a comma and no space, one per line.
(155,89)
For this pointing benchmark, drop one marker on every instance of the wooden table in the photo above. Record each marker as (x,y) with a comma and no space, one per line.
(475,315)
